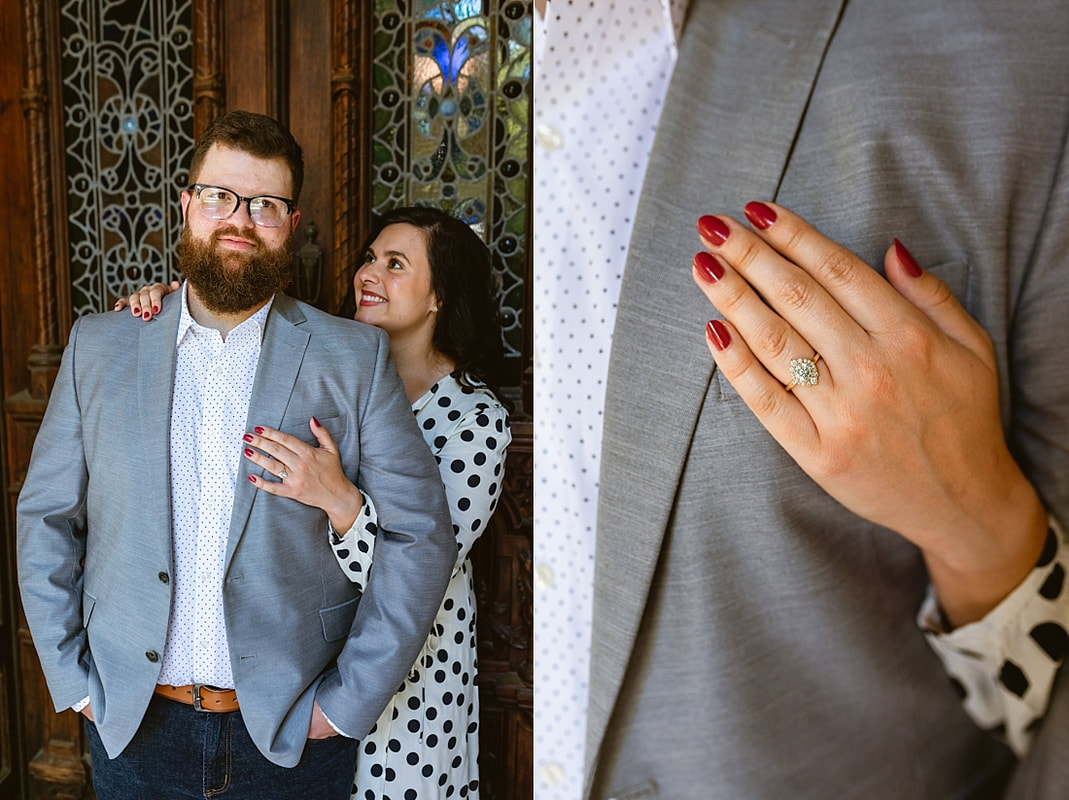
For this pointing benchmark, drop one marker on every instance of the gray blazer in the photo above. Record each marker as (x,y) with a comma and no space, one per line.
(752,638)
(98,493)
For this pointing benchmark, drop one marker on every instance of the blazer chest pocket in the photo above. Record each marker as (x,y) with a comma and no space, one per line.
(338,620)
(335,426)
(955,274)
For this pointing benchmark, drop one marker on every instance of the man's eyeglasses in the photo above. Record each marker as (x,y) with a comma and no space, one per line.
(265,210)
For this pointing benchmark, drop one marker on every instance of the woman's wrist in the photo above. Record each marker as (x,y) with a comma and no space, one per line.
(344,509)
(978,572)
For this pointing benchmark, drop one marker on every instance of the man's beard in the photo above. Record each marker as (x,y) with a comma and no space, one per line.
(233,282)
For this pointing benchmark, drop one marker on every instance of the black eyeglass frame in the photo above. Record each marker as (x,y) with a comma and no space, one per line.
(197,188)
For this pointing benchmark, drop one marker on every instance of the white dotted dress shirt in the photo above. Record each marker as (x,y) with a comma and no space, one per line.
(601,75)
(212,387)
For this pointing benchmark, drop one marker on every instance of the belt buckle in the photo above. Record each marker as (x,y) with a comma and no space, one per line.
(196,696)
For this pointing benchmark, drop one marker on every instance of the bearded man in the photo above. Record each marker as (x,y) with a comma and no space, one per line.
(202,627)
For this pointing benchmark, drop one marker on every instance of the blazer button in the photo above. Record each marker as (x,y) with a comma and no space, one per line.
(152,656)
(164,577)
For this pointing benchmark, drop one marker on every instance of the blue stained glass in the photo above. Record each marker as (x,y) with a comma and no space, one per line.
(452,86)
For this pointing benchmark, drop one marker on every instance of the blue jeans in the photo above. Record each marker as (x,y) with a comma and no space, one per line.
(180,753)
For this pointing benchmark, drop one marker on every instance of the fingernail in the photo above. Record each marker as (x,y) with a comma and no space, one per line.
(248,452)
(713,229)
(247,437)
(259,430)
(913,269)
(316,422)
(718,334)
(155,309)
(252,479)
(760,215)
(146,315)
(709,267)
(136,312)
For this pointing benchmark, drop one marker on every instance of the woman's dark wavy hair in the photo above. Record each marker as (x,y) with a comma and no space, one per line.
(468,329)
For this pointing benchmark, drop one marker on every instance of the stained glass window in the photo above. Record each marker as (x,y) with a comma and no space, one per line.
(451,116)
(128,130)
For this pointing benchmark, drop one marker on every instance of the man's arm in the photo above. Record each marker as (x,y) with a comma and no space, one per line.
(51,540)
(414,555)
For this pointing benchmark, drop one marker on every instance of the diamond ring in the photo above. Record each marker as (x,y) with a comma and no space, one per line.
(282,475)
(804,372)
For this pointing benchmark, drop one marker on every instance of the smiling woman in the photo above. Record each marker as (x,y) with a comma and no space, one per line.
(394,285)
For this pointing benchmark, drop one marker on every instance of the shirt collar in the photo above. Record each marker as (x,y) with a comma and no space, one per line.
(674,13)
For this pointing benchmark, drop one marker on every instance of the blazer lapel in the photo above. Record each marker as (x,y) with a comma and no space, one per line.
(281,354)
(155,384)
(738,138)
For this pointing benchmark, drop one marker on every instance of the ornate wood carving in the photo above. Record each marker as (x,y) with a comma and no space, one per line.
(49,239)
(209,85)
(503,587)
(56,769)
(350,92)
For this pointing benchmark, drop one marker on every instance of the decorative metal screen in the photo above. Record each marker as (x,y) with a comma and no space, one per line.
(128,129)
(451,118)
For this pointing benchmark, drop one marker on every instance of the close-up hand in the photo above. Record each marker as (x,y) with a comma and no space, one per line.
(146,301)
(309,475)
(901,424)
(318,727)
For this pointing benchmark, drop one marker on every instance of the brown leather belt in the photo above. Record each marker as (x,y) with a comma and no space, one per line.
(201,696)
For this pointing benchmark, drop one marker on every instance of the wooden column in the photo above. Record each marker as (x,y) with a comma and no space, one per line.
(53,742)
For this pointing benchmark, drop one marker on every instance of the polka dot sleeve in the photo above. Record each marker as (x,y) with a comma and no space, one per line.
(471,460)
(1004,665)
(355,549)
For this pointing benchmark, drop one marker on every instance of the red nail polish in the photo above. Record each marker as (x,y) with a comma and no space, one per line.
(252,479)
(316,422)
(913,269)
(247,437)
(155,309)
(248,452)
(137,311)
(259,430)
(146,315)
(718,334)
(709,267)
(760,215)
(713,229)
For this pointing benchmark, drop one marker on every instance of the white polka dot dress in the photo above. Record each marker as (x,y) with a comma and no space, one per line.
(426,743)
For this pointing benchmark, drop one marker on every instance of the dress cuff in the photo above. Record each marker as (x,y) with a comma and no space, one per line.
(355,549)
(77,707)
(1004,664)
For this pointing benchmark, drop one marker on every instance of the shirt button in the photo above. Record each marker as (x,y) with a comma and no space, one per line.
(203,645)
(552,774)
(549,137)
(164,577)
(543,576)
(152,656)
